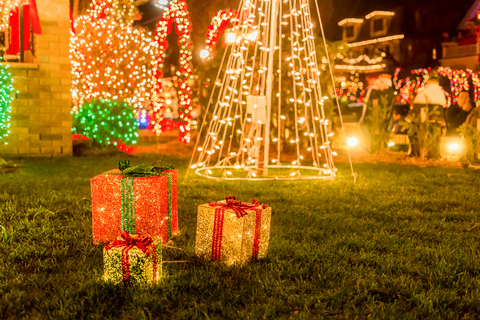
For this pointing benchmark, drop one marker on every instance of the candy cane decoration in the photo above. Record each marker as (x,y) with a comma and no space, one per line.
(177,12)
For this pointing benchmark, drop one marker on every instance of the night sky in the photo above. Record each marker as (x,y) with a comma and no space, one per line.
(450,12)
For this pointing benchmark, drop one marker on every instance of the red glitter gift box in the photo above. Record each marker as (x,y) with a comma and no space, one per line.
(142,205)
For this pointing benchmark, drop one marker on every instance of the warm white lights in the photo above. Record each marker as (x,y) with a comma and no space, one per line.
(204,54)
(373,41)
(453,146)
(230,37)
(162,4)
(350,21)
(380,13)
(352,142)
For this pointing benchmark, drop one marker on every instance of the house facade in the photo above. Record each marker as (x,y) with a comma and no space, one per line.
(40,120)
(382,41)
(370,40)
(462,51)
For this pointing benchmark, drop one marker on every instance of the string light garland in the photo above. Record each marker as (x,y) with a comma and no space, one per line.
(6,98)
(380,13)
(377,40)
(361,58)
(459,80)
(219,23)
(177,12)
(350,20)
(107,122)
(111,59)
(360,68)
(351,96)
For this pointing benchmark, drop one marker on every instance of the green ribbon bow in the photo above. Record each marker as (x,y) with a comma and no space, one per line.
(128,191)
(141,170)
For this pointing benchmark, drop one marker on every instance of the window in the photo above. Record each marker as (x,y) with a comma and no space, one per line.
(349,32)
(377,25)
(14,38)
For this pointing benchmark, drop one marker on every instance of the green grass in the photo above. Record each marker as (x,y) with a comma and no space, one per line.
(403,242)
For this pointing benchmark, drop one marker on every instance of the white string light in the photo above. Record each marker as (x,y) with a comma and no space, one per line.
(377,40)
(255,86)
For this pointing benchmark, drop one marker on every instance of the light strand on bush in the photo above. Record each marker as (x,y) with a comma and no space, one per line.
(6,98)
(107,122)
(177,12)
(110,58)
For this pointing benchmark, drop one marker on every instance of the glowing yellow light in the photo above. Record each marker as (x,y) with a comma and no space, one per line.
(352,142)
(252,36)
(367,42)
(454,146)
(230,37)
(204,54)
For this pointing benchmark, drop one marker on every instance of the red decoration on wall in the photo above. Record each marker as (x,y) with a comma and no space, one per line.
(37,29)
(30,13)
(15,30)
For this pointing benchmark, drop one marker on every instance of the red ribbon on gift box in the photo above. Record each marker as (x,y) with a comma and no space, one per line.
(144,243)
(240,208)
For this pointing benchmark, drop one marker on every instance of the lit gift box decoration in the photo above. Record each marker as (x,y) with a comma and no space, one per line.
(133,260)
(232,231)
(140,200)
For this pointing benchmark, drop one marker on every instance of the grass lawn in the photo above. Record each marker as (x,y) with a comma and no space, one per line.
(403,242)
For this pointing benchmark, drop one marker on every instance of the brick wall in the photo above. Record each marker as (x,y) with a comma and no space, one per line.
(41,121)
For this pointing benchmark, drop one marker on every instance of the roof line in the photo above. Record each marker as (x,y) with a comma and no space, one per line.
(377,40)
(471,12)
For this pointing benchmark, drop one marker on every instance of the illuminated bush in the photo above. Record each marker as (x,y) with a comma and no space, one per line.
(107,122)
(6,98)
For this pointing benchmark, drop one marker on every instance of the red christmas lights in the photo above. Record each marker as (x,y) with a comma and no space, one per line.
(177,12)
(220,22)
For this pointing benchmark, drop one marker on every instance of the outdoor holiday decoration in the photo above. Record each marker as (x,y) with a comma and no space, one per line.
(220,22)
(111,59)
(267,118)
(361,63)
(6,98)
(232,231)
(459,80)
(176,13)
(107,122)
(140,200)
(133,260)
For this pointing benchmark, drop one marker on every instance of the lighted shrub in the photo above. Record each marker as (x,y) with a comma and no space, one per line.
(6,98)
(107,122)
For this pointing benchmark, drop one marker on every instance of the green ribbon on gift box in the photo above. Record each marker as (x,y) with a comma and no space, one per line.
(128,204)
(128,191)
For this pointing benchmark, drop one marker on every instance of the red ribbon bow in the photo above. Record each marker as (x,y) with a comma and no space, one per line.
(144,243)
(238,206)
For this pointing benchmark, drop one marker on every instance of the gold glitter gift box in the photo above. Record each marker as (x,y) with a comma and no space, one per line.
(133,260)
(232,231)
(143,205)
